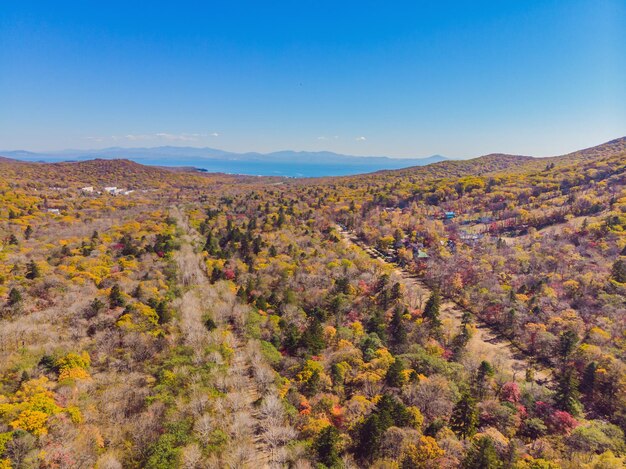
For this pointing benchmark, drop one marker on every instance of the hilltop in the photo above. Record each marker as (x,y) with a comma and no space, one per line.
(497,163)
(105,172)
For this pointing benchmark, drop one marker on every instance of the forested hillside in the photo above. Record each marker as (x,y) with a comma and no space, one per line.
(155,318)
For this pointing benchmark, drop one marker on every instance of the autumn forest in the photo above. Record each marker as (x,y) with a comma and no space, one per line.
(462,314)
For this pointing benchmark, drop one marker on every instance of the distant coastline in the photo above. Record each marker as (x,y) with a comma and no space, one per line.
(284,163)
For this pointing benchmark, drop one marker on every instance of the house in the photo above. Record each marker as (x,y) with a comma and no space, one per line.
(114,190)
(56,211)
(471,238)
(87,189)
(422,254)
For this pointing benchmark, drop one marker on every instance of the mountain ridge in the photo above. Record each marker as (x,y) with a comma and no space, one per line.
(199,152)
(282,163)
(432,167)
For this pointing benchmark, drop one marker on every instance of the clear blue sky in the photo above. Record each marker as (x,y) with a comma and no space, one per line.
(459,78)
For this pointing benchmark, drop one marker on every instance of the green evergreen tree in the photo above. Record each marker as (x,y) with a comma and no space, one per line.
(211,246)
(482,455)
(32,270)
(588,382)
(15,297)
(115,297)
(431,310)
(566,395)
(95,308)
(312,385)
(485,370)
(396,292)
(291,339)
(382,283)
(209,323)
(618,272)
(393,377)
(567,344)
(164,313)
(313,337)
(392,412)
(377,325)
(280,221)
(464,417)
(369,438)
(397,328)
(326,446)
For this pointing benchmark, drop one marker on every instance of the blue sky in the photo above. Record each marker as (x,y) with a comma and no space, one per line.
(459,78)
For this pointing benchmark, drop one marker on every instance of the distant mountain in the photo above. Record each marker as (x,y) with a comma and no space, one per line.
(499,162)
(280,163)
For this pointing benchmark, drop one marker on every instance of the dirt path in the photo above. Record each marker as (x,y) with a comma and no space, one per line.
(262,455)
(484,344)
(250,447)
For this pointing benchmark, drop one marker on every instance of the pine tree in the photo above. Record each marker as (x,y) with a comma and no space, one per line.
(397,328)
(325,446)
(396,292)
(164,313)
(211,245)
(95,308)
(567,343)
(393,377)
(618,272)
(15,297)
(291,339)
(28,232)
(464,417)
(382,283)
(312,386)
(369,438)
(115,297)
(32,270)
(281,217)
(482,455)
(566,395)
(484,371)
(376,324)
(588,382)
(431,310)
(257,244)
(313,337)
(392,412)
(210,324)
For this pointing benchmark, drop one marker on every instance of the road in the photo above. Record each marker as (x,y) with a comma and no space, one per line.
(485,344)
